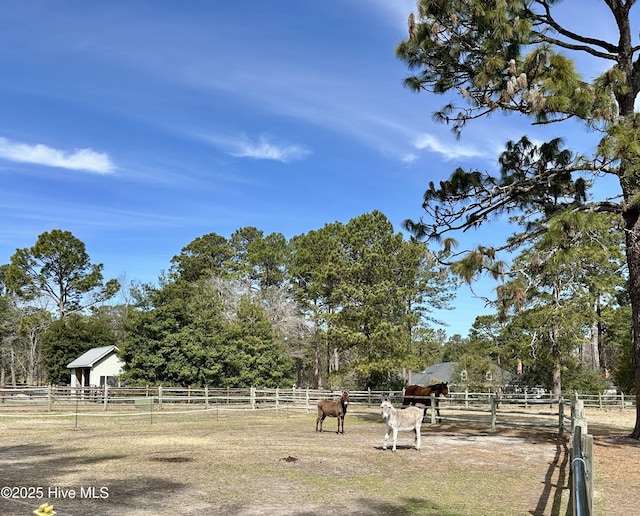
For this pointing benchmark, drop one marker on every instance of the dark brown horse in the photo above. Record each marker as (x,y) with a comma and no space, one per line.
(336,409)
(418,394)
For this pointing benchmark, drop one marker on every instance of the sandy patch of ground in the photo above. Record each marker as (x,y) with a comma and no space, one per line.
(276,464)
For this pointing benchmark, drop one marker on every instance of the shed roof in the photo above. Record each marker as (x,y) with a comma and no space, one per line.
(91,357)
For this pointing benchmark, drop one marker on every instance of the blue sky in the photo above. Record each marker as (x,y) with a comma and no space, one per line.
(142,125)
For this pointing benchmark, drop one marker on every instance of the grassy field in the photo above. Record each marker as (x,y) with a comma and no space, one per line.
(255,462)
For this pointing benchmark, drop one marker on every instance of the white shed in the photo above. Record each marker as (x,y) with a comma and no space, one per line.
(96,367)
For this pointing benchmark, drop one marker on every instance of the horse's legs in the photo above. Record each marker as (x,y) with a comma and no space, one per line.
(340,419)
(418,436)
(386,438)
(320,420)
(395,439)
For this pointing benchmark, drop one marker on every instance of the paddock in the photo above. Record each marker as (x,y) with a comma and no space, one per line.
(244,462)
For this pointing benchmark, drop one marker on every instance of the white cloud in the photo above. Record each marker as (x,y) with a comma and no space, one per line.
(263,148)
(447,150)
(409,158)
(39,154)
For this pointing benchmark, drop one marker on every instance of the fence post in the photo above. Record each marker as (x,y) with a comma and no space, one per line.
(277,398)
(493,411)
(466,398)
(49,397)
(581,471)
(368,397)
(252,395)
(307,399)
(206,396)
(578,417)
(621,400)
(433,409)
(159,398)
(579,436)
(561,417)
(106,396)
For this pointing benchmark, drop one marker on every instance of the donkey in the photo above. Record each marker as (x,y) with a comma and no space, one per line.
(336,409)
(406,419)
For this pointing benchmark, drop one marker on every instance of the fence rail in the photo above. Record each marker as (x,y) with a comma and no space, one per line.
(459,406)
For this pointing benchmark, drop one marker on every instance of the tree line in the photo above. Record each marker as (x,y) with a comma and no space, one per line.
(338,305)
(346,305)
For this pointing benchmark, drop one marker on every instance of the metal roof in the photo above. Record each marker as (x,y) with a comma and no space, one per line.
(91,357)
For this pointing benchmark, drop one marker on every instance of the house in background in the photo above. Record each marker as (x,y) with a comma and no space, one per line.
(443,372)
(97,367)
(447,372)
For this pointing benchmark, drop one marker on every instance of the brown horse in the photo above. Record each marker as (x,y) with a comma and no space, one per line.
(418,394)
(336,409)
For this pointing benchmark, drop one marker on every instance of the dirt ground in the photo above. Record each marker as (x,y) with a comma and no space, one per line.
(267,463)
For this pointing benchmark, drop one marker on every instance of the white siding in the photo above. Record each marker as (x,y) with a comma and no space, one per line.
(110,366)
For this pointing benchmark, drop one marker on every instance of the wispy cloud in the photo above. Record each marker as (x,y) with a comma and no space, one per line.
(262,149)
(446,150)
(409,158)
(393,13)
(87,160)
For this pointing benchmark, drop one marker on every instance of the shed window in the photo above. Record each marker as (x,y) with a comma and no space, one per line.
(108,380)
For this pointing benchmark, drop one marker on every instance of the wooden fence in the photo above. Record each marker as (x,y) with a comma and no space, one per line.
(581,476)
(483,408)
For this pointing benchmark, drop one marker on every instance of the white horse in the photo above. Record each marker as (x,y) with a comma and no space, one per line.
(406,419)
